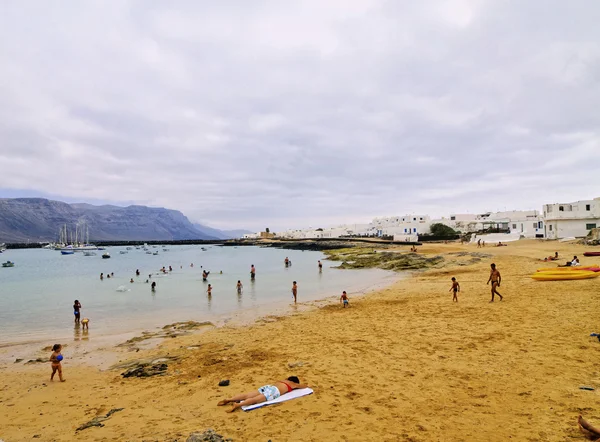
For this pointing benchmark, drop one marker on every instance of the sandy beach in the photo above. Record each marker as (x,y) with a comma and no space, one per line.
(403,363)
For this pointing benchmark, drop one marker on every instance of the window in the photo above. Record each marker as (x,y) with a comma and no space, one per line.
(414,219)
(514,226)
(535,225)
(549,208)
(588,207)
(415,230)
(561,208)
(590,226)
(452,218)
(421,219)
(404,230)
(550,227)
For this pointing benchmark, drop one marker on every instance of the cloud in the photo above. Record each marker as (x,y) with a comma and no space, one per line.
(289,114)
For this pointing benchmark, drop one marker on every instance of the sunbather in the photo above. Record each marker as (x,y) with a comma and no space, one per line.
(263,394)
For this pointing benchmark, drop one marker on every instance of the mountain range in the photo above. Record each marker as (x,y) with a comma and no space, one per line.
(39,219)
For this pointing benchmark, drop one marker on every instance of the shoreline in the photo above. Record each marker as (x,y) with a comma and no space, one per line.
(83,349)
(405,362)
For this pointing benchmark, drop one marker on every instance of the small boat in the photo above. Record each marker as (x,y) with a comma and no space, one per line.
(165,250)
(105,255)
(8,264)
(89,254)
(155,253)
(148,252)
(122,252)
(591,254)
(67,252)
(101,248)
(129,248)
(564,276)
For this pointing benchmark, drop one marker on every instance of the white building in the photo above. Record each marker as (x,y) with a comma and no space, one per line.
(565,220)
(527,223)
(407,225)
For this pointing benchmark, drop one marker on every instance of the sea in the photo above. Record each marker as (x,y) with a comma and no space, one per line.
(37,295)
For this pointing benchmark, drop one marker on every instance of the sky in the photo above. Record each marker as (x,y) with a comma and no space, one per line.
(281,114)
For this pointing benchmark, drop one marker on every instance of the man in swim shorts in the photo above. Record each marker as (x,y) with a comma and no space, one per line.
(495,278)
(252,272)
(76,311)
(264,393)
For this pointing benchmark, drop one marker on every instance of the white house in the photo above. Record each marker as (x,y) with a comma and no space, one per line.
(565,220)
(527,223)
(407,225)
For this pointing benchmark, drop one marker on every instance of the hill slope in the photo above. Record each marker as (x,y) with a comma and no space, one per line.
(38,219)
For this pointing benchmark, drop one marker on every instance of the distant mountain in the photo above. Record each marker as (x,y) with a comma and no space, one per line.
(221,234)
(38,219)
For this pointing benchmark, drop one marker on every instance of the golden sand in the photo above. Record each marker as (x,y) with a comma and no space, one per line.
(405,363)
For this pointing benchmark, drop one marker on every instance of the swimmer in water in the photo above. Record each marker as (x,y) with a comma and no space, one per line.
(101,276)
(131,280)
(239,287)
(252,272)
(209,290)
(137,272)
(153,286)
(76,310)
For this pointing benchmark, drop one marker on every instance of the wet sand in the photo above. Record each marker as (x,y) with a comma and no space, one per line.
(404,363)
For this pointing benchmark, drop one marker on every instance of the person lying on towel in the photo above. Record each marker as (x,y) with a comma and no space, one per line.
(263,394)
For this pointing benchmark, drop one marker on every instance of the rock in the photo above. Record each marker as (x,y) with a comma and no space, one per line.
(18,360)
(144,371)
(224,383)
(208,436)
(97,421)
(37,361)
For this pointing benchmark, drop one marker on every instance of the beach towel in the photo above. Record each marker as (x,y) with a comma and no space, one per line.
(285,397)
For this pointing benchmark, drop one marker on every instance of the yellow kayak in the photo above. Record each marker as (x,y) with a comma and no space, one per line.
(562,269)
(563,276)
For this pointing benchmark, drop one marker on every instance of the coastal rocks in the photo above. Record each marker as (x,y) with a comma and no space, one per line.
(168,331)
(37,361)
(224,383)
(145,371)
(208,436)
(97,421)
(365,258)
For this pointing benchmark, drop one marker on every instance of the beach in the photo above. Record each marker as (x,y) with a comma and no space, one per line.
(402,363)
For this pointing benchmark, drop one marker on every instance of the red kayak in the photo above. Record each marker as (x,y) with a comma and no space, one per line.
(591,254)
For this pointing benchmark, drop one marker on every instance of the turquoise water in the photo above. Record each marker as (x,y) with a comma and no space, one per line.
(36,296)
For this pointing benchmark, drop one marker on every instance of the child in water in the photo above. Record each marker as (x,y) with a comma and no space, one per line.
(344,299)
(55,359)
(85,322)
(295,291)
(209,290)
(455,288)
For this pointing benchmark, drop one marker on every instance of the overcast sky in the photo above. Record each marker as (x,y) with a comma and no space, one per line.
(247,114)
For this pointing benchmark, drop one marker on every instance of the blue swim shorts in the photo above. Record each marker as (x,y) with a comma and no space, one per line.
(270,391)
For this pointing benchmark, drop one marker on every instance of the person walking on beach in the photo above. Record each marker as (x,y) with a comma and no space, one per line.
(252,272)
(479,243)
(455,288)
(239,287)
(496,279)
(76,311)
(55,359)
(294,291)
(263,394)
(344,299)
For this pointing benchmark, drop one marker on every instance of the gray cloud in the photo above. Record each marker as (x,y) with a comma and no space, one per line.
(288,114)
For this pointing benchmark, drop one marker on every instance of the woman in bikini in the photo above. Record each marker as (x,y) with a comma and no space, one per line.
(264,393)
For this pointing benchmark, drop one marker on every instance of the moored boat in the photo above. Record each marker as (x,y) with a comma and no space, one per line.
(105,255)
(8,264)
